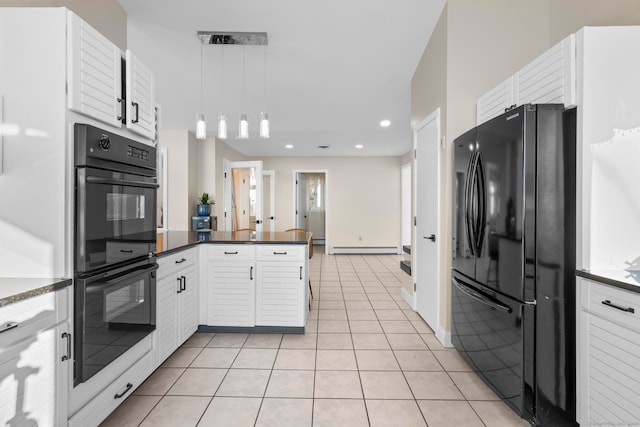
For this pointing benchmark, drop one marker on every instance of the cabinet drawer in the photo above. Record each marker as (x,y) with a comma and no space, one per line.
(178,260)
(611,303)
(32,315)
(231,252)
(104,403)
(280,252)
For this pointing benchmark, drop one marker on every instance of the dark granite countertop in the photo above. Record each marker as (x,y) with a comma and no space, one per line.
(625,279)
(14,289)
(171,241)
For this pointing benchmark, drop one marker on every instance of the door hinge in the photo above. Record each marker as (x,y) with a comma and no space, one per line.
(225,174)
(415,221)
(296,182)
(415,154)
(414,286)
(225,214)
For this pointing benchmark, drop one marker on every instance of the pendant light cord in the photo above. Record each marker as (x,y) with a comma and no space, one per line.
(201,79)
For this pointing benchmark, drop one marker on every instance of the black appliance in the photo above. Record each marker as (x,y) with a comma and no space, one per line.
(513,283)
(115,229)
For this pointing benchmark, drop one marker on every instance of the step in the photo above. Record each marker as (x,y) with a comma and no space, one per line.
(407,248)
(406,267)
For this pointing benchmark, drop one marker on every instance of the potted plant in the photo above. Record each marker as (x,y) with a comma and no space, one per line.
(204,205)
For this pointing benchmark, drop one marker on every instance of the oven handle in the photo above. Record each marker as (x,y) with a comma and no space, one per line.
(480,297)
(90,289)
(116,181)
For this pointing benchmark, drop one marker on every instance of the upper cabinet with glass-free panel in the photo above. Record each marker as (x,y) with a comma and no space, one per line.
(99,88)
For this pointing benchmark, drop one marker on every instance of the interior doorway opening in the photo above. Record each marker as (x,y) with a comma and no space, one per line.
(242,196)
(310,203)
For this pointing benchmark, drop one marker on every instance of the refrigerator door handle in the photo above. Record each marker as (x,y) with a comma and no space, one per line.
(467,201)
(482,205)
(480,297)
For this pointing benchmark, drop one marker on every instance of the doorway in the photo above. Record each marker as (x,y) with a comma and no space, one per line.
(310,203)
(269,200)
(425,266)
(405,172)
(242,195)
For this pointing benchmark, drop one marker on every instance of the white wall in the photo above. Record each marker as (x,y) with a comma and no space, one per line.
(106,16)
(363,197)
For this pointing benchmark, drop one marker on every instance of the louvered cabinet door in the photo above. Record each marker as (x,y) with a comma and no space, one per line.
(550,78)
(140,97)
(93,73)
(495,102)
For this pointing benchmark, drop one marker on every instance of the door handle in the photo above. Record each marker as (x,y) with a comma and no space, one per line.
(183,283)
(179,279)
(67,356)
(8,326)
(432,237)
(251,273)
(137,107)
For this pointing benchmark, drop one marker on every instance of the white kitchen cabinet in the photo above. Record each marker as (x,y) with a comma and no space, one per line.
(548,79)
(140,96)
(495,102)
(231,293)
(177,310)
(281,286)
(608,371)
(105,402)
(95,79)
(94,73)
(35,358)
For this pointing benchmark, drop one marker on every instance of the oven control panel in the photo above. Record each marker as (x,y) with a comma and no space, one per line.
(137,153)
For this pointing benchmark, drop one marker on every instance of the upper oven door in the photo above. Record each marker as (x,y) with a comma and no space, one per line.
(115,217)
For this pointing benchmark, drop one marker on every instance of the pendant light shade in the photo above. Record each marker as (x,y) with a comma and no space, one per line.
(201,126)
(222,126)
(264,125)
(243,127)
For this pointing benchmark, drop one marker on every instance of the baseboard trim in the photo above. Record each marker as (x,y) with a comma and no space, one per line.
(408,298)
(444,337)
(365,250)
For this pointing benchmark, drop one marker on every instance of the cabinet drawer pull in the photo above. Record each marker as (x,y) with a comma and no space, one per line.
(279,253)
(67,356)
(9,326)
(119,395)
(231,253)
(251,273)
(300,272)
(181,261)
(125,251)
(617,307)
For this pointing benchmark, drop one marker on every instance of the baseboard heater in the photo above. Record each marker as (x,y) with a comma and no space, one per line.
(365,250)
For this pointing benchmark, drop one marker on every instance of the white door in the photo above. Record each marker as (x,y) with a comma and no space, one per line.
(301,199)
(242,198)
(425,263)
(269,200)
(406,204)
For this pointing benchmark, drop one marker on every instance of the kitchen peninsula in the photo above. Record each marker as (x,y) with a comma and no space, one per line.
(242,281)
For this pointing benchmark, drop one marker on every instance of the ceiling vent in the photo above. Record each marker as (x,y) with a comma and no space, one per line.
(233,37)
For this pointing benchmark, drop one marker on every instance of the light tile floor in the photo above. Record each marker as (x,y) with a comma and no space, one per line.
(366,360)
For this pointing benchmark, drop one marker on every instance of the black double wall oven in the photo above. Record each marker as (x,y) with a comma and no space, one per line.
(115,235)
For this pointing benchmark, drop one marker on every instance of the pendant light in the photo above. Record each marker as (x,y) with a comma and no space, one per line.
(264,117)
(222,117)
(243,126)
(201,124)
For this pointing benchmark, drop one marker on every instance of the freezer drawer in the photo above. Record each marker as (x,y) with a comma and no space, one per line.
(489,332)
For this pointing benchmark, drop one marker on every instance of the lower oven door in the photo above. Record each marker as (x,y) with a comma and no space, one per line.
(115,217)
(494,334)
(114,310)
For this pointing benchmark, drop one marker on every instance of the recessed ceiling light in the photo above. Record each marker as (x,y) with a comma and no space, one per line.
(323,147)
(288,146)
(385,123)
(359,146)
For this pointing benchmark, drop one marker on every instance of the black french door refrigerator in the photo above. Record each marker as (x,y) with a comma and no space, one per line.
(513,315)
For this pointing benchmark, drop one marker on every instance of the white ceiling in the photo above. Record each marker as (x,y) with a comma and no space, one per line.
(334,69)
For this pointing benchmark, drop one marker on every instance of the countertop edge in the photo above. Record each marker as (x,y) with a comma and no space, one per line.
(166,252)
(608,281)
(35,292)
